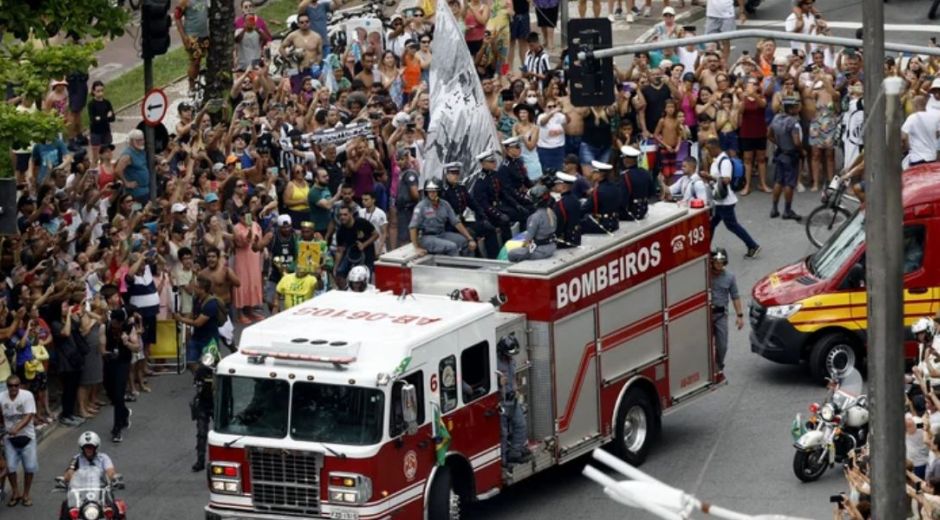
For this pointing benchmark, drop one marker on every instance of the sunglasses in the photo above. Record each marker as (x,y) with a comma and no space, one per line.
(551,106)
(10,385)
(239,185)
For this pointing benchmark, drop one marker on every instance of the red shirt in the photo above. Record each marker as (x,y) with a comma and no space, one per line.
(753,124)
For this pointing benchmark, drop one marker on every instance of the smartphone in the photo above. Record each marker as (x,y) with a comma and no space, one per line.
(836,499)
(371,144)
(75,308)
(745,53)
(273,170)
(796,52)
(248,219)
(413,152)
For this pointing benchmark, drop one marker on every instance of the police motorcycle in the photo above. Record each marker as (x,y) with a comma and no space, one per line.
(835,429)
(91,495)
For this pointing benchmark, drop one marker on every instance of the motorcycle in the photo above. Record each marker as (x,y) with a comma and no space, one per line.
(834,430)
(91,496)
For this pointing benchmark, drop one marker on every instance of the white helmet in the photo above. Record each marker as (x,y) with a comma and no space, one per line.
(89,438)
(359,274)
(923,325)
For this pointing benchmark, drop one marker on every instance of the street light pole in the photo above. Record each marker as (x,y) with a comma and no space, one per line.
(884,275)
(564,17)
(148,130)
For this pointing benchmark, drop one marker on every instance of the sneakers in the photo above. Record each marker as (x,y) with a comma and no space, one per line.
(117,437)
(752,252)
(647,11)
(791,215)
(774,213)
(72,421)
(200,465)
(128,421)
(630,17)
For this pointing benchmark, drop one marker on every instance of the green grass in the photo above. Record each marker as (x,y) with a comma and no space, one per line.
(129,87)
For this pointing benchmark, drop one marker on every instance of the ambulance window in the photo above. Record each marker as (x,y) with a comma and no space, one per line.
(398,425)
(475,370)
(448,378)
(913,248)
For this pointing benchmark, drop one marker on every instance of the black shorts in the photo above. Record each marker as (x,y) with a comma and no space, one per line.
(546,16)
(39,383)
(752,144)
(101,139)
(78,92)
(149,334)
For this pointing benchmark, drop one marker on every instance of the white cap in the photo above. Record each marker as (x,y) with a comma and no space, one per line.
(284,220)
(665,64)
(669,10)
(178,207)
(629,151)
(308,176)
(565,177)
(489,155)
(600,166)
(512,141)
(935,85)
(781,60)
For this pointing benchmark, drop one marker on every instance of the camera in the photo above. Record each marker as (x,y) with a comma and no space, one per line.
(837,499)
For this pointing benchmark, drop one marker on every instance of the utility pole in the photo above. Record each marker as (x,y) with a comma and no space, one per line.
(564,17)
(148,131)
(884,249)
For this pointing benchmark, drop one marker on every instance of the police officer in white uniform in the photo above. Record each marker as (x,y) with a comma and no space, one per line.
(428,227)
(540,229)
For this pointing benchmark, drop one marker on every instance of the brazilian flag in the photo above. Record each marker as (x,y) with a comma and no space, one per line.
(441,436)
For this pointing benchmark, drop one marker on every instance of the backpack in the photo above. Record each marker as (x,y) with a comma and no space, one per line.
(222,315)
(738,178)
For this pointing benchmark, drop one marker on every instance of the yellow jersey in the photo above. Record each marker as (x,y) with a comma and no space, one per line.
(296,290)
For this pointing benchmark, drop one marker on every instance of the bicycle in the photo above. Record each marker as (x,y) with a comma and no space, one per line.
(829,216)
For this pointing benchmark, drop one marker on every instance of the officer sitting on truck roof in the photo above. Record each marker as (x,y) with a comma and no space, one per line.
(540,229)
(568,211)
(514,433)
(428,225)
(603,204)
(636,186)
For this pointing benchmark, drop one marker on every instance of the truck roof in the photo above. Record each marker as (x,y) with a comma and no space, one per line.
(921,185)
(660,214)
(381,327)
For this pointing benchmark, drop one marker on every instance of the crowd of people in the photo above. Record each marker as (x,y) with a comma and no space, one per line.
(303,178)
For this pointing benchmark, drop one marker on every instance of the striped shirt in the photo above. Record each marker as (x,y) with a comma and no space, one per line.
(537,63)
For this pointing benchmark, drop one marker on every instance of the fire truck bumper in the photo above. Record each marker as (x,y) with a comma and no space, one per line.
(214,513)
(774,338)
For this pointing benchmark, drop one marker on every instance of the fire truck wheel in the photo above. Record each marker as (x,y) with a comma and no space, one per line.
(830,352)
(636,427)
(443,500)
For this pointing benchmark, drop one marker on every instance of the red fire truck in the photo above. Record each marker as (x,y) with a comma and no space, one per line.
(386,405)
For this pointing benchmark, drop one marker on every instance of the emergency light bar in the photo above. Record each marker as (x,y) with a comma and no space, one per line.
(314,351)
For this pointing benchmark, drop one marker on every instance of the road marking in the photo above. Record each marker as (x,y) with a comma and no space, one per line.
(890,27)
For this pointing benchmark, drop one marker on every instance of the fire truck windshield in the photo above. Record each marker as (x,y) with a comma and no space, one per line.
(248,406)
(336,414)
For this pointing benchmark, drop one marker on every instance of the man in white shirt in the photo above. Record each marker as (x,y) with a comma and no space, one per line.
(920,133)
(719,18)
(803,20)
(19,446)
(724,198)
(377,218)
(690,186)
(934,102)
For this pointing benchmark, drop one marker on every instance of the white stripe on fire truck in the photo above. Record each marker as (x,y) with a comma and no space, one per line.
(486,457)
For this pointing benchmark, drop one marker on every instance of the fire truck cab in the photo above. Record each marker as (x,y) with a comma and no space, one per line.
(367,406)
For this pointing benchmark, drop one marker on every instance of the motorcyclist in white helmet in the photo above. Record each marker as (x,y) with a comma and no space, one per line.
(924,331)
(89,442)
(89,456)
(358,279)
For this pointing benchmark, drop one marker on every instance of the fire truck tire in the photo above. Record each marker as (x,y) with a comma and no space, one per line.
(637,425)
(832,351)
(443,500)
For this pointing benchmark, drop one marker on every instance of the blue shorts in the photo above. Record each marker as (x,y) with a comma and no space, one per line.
(520,26)
(588,153)
(194,350)
(786,170)
(25,456)
(728,141)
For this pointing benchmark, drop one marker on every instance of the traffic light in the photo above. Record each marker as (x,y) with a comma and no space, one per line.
(155,27)
(591,80)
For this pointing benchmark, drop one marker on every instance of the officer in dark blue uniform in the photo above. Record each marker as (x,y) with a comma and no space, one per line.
(486,191)
(636,186)
(601,211)
(568,210)
(513,175)
(468,210)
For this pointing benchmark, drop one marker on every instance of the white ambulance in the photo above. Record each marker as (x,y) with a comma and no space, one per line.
(369,406)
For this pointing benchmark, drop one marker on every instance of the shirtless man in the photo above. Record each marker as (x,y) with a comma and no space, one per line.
(709,69)
(574,128)
(222,277)
(311,44)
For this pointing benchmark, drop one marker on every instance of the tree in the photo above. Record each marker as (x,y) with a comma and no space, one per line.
(221,46)
(29,68)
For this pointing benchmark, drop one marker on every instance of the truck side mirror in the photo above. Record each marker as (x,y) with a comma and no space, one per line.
(409,407)
(856,276)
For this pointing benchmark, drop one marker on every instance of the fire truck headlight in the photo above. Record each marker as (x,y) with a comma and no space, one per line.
(225,478)
(349,488)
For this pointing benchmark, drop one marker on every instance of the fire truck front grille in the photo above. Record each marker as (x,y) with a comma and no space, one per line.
(285,480)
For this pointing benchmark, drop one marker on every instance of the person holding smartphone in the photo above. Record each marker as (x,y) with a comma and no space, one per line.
(248,297)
